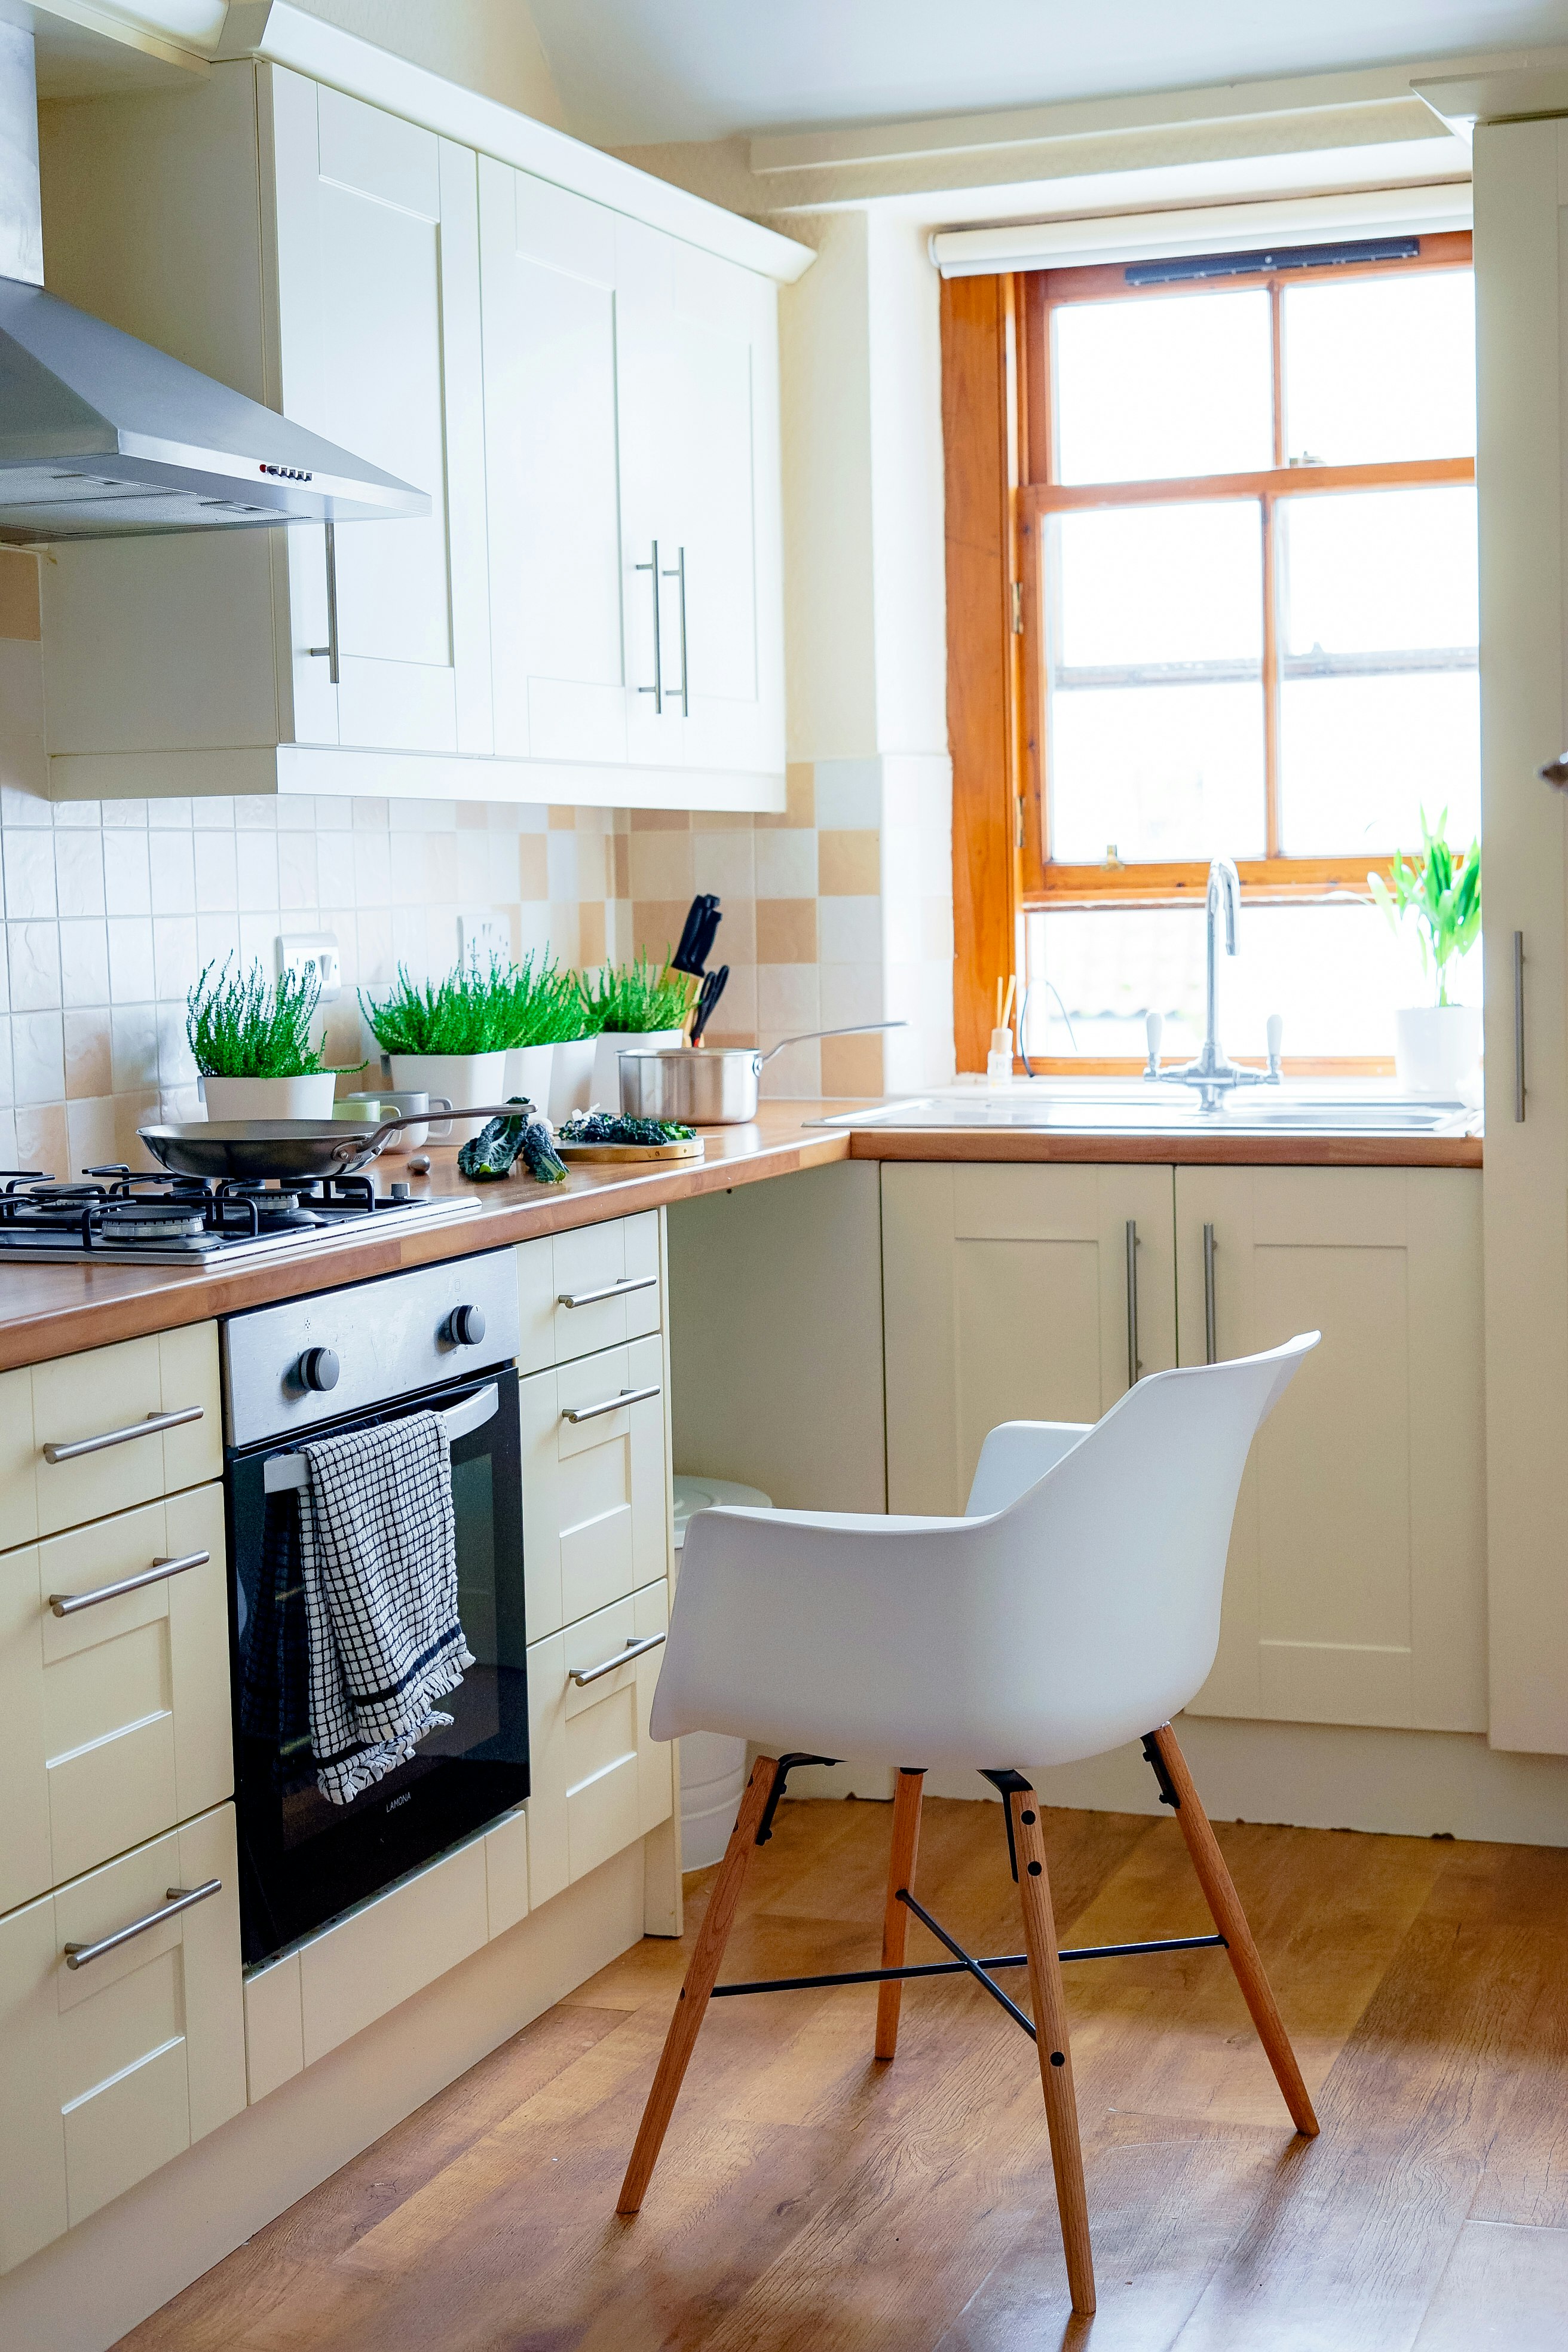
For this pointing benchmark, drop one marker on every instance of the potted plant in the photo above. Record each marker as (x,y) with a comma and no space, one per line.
(546,1013)
(636,1004)
(251,1040)
(448,1038)
(1437,1046)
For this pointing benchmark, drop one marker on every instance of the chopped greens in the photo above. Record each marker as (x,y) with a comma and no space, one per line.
(607,1127)
(495,1151)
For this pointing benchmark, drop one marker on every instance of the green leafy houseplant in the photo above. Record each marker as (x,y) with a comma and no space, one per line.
(243,1026)
(632,999)
(471,1011)
(1443,892)
(546,1003)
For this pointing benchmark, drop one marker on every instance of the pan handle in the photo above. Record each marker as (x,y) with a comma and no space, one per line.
(362,1147)
(851,1029)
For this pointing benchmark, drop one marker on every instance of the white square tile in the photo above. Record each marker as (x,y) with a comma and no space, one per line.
(216,875)
(561,864)
(256,813)
(850,991)
(127,886)
(90,1124)
(176,1063)
(334,813)
(172,814)
(84,963)
(172,872)
(7,1096)
(134,1046)
(372,869)
(471,871)
(335,869)
(257,937)
(372,927)
(33,954)
(29,857)
(258,857)
(71,817)
(9,1154)
(176,962)
(296,871)
(849,930)
(296,812)
(117,814)
(409,943)
(370,815)
(131,979)
(406,863)
(38,1046)
(786,862)
(848,794)
(79,872)
(213,813)
(217,937)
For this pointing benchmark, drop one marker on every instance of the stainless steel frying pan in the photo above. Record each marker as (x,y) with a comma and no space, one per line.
(250,1150)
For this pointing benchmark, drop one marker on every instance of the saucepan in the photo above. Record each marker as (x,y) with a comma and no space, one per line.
(250,1150)
(710,1085)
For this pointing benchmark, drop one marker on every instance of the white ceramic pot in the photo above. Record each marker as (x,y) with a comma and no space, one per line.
(308,1097)
(608,1048)
(528,1071)
(1436,1047)
(571,1075)
(461,1078)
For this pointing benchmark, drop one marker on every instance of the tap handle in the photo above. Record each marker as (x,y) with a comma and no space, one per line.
(1153,1029)
(1275,1033)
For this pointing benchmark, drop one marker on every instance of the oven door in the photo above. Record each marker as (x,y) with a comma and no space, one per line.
(302,1859)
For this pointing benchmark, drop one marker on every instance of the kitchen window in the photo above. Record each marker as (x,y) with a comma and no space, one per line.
(1243,606)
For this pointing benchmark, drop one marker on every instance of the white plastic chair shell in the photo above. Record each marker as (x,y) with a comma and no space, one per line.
(1075,1606)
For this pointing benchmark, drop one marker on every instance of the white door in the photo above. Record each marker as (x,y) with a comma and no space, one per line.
(1007,1298)
(379,349)
(1355,1589)
(548,269)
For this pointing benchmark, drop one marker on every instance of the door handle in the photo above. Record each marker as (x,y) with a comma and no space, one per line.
(65,1604)
(1132,1364)
(329,652)
(148,1428)
(1211,1335)
(583,1675)
(621,1289)
(608,1404)
(180,1898)
(679,575)
(657,688)
(1519,1028)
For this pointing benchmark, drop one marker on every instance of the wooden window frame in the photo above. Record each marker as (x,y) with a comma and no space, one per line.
(1000,468)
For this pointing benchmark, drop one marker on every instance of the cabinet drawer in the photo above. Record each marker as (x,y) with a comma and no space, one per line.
(109,2070)
(561,1266)
(114,1719)
(79,1398)
(595,1523)
(599,1781)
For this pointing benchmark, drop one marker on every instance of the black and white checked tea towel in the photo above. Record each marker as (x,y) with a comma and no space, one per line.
(379,1556)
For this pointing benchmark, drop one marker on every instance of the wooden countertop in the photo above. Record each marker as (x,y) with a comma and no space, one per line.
(58,1310)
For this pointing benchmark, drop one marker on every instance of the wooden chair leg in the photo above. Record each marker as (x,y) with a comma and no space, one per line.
(700,1978)
(1225,1905)
(1049,2004)
(906,1796)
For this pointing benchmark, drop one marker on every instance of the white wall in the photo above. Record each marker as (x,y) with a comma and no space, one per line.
(490,46)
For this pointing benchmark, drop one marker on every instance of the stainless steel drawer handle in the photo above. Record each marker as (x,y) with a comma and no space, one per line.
(148,1428)
(610,1404)
(622,1289)
(180,1898)
(1211,1321)
(583,1675)
(65,1604)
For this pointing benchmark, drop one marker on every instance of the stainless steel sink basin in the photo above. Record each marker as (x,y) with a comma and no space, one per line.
(1119,1107)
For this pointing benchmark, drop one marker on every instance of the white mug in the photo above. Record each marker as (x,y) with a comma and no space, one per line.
(393,1102)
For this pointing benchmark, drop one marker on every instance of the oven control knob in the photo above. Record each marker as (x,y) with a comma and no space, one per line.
(318,1368)
(466,1326)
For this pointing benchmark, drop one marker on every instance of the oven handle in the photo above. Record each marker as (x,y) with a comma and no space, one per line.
(284,1473)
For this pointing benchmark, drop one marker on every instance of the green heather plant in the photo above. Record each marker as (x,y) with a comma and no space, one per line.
(636,997)
(243,1026)
(1443,892)
(546,1003)
(471,1011)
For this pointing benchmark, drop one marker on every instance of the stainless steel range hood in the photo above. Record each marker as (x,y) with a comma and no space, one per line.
(102,436)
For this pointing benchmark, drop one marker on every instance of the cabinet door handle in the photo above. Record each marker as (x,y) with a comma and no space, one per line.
(609,1404)
(583,1675)
(622,1289)
(65,1604)
(679,575)
(329,652)
(657,688)
(148,1428)
(1210,1335)
(1132,1364)
(179,1898)
(1519,1028)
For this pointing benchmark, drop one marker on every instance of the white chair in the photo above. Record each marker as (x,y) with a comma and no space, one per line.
(1074,1606)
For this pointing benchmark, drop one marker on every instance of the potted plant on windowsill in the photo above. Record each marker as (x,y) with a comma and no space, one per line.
(251,1040)
(1437,1046)
(631,1004)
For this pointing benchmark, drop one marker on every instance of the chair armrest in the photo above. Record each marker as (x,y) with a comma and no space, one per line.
(1014,1457)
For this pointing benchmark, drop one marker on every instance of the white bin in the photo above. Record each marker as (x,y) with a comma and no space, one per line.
(712,1765)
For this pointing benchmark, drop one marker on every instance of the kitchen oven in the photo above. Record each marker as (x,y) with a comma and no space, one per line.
(436,1339)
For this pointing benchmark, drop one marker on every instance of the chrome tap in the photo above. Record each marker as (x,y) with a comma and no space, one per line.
(1214,1073)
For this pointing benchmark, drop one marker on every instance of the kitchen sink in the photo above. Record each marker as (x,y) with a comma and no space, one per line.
(1122,1108)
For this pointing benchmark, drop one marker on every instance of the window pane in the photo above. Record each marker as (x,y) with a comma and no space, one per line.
(1168,385)
(1163,771)
(1362,757)
(1156,585)
(1379,571)
(1381,368)
(1334,974)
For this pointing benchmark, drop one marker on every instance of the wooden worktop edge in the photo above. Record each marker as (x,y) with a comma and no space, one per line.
(1045,1145)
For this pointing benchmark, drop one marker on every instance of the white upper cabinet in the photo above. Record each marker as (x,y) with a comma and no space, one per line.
(570,386)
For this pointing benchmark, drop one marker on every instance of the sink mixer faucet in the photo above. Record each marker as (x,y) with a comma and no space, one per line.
(1214,1073)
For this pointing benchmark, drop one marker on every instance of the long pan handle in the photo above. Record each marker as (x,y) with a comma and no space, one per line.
(850,1029)
(371,1140)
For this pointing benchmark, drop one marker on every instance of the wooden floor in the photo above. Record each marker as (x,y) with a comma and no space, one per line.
(809,2199)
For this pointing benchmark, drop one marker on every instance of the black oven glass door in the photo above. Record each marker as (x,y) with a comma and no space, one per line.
(302,1859)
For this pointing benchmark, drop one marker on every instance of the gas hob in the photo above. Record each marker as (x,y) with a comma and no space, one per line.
(113,1218)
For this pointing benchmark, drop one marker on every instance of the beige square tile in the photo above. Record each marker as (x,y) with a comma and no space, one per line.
(473,817)
(532,866)
(800,803)
(90,1128)
(563,931)
(786,930)
(19,597)
(657,926)
(621,845)
(660,821)
(562,820)
(848,865)
(660,865)
(590,932)
(851,1066)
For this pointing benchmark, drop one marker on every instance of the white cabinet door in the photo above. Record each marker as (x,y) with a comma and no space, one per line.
(1006,1298)
(598,1779)
(1356,1590)
(376,228)
(595,1520)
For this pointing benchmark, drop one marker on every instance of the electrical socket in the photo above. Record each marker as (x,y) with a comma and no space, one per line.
(483,937)
(312,951)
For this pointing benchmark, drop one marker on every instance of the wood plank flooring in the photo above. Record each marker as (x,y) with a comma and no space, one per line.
(810,2200)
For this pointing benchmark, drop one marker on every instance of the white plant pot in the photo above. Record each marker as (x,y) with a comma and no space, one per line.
(571,1075)
(608,1048)
(1436,1047)
(462,1078)
(528,1071)
(308,1097)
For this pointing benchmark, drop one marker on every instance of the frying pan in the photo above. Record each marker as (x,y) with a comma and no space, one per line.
(249,1150)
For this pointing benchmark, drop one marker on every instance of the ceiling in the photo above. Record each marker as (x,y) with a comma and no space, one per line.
(631,75)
